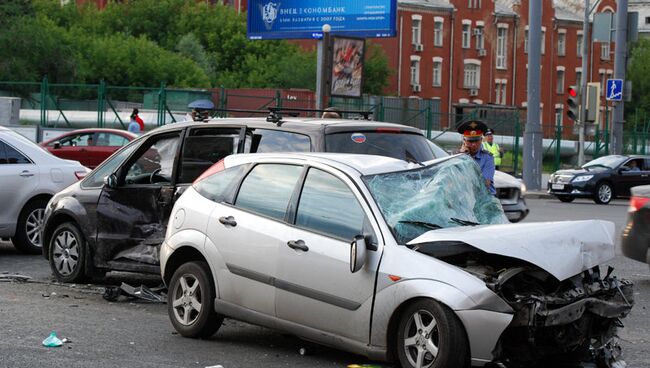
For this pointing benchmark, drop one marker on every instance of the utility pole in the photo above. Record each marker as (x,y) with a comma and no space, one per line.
(620,63)
(321,68)
(533,133)
(583,86)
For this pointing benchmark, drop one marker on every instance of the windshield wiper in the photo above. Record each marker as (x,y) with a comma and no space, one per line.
(463,222)
(428,225)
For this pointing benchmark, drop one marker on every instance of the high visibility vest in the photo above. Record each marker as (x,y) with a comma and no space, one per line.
(494,151)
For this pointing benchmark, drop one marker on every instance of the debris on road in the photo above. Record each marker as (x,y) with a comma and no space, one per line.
(52,341)
(154,295)
(7,277)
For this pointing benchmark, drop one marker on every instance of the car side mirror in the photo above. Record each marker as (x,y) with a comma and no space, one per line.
(357,253)
(57,145)
(623,169)
(111,181)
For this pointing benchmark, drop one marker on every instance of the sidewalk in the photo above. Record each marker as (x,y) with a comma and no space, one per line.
(541,193)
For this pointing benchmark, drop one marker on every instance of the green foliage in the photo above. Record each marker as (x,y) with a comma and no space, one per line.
(376,70)
(638,71)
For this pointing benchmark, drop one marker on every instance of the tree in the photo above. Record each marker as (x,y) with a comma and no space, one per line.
(376,70)
(639,73)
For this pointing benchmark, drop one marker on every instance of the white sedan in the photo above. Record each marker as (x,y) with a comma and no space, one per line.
(29,177)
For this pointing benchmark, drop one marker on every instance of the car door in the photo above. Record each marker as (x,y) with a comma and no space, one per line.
(314,285)
(249,234)
(18,179)
(76,147)
(132,214)
(629,178)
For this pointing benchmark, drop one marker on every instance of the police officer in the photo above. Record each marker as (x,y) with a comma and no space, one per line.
(472,132)
(493,148)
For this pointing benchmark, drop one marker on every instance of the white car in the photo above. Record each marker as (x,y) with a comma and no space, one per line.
(408,261)
(29,177)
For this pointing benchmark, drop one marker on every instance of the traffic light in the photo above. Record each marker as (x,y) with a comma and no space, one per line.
(573,102)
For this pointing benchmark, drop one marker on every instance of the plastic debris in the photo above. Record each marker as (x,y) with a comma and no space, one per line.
(14,277)
(215,366)
(52,341)
(155,295)
(302,351)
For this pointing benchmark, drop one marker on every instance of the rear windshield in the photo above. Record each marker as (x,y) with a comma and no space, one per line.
(402,146)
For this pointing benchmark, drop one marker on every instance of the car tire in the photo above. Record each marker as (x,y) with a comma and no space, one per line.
(67,253)
(192,285)
(28,230)
(565,199)
(430,335)
(604,193)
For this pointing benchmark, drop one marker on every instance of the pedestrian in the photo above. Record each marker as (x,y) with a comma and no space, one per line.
(493,148)
(138,119)
(472,132)
(331,113)
(134,127)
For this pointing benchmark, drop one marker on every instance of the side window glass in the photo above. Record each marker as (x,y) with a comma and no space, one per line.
(204,147)
(12,156)
(216,187)
(329,207)
(3,157)
(267,140)
(268,188)
(110,140)
(156,163)
(96,177)
(81,140)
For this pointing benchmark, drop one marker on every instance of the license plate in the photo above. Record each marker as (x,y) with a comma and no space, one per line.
(557,186)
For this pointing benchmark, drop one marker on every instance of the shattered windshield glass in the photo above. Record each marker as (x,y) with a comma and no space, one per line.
(446,194)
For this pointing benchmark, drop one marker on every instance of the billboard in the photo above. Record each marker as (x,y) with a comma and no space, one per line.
(285,19)
(347,66)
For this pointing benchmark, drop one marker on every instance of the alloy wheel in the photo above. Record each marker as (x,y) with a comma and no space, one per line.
(186,300)
(66,252)
(33,226)
(605,193)
(421,339)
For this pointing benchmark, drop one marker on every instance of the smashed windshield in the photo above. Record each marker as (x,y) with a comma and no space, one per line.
(446,194)
(606,162)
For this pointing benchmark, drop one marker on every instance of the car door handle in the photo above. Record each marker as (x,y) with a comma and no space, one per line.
(26,174)
(230,221)
(298,244)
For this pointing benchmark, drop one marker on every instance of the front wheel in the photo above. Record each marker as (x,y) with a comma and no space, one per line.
(604,193)
(190,303)
(28,232)
(67,253)
(429,335)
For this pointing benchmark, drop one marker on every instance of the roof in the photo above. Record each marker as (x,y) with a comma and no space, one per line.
(432,4)
(503,10)
(567,15)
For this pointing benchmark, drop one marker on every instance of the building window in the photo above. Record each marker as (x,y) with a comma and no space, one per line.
(472,75)
(437,33)
(543,42)
(525,41)
(474,4)
(558,116)
(602,83)
(579,45)
(437,72)
(466,36)
(480,39)
(415,72)
(578,78)
(502,36)
(560,82)
(416,29)
(604,51)
(561,44)
(500,91)
(647,20)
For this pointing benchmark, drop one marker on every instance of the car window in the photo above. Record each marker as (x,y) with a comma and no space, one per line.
(156,163)
(268,140)
(402,146)
(77,140)
(329,207)
(96,177)
(268,188)
(204,147)
(9,155)
(110,140)
(215,187)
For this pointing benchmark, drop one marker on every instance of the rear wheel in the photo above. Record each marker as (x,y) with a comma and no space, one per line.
(190,302)
(67,253)
(604,193)
(28,231)
(429,335)
(565,199)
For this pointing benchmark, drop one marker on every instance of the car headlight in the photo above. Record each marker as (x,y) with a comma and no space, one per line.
(523,188)
(581,178)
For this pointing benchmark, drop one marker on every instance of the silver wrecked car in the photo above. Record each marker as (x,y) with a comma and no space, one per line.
(395,260)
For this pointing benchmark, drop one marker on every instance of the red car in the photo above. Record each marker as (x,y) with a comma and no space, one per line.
(88,146)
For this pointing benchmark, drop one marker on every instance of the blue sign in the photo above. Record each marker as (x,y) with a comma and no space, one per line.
(614,90)
(284,19)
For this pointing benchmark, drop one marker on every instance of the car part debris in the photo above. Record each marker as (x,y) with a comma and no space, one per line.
(155,295)
(52,341)
(14,277)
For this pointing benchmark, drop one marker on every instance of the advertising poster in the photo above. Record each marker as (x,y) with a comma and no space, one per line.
(347,66)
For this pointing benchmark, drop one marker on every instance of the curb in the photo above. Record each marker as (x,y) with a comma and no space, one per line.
(538,195)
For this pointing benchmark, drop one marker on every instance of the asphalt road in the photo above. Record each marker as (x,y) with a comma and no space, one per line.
(137,334)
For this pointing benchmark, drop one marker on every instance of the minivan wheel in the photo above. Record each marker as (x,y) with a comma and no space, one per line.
(190,302)
(429,335)
(604,193)
(67,253)
(28,232)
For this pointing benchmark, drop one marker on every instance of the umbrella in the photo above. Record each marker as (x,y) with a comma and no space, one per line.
(201,104)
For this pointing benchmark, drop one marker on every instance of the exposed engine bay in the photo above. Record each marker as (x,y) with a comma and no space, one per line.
(556,323)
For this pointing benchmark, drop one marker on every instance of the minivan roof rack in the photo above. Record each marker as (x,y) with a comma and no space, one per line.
(275,113)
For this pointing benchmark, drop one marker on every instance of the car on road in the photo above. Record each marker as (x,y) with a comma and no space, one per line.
(636,235)
(29,177)
(117,216)
(88,146)
(407,261)
(602,179)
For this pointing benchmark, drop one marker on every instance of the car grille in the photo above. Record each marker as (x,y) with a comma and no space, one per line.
(508,195)
(561,179)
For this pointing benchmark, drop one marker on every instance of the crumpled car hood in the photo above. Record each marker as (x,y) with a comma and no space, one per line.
(563,249)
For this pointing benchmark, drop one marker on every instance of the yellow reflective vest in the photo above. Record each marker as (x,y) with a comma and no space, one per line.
(494,150)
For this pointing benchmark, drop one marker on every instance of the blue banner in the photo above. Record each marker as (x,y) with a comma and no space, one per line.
(284,19)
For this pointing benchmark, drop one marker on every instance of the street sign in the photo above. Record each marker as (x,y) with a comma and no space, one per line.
(293,19)
(614,91)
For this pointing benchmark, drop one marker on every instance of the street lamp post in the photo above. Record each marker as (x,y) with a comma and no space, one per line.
(321,68)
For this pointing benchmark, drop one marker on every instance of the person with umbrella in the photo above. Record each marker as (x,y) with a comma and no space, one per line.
(201,109)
